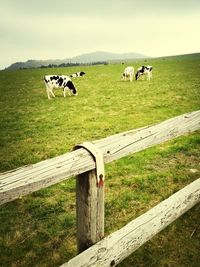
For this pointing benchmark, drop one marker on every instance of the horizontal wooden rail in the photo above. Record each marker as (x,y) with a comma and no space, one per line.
(25,180)
(114,248)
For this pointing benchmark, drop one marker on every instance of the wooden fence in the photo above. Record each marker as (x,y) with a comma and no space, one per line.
(90,197)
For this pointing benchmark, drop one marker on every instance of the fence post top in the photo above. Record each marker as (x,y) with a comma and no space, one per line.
(98,158)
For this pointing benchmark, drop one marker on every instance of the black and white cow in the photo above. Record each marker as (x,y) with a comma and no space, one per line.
(144,71)
(59,81)
(78,74)
(128,73)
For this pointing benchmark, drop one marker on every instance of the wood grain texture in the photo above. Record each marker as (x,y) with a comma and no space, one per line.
(114,248)
(89,210)
(25,180)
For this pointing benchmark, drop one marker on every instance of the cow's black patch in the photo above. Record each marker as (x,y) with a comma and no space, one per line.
(82,73)
(60,81)
(70,85)
(54,78)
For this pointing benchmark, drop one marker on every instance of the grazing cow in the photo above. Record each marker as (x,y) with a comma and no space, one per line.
(59,81)
(78,74)
(144,70)
(128,73)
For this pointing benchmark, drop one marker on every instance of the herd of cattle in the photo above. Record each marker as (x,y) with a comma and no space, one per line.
(141,72)
(65,82)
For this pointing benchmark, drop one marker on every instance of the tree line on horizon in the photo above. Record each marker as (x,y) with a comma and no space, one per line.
(63,65)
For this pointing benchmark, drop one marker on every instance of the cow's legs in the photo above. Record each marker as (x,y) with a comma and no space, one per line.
(48,95)
(49,91)
(69,92)
(52,93)
(66,90)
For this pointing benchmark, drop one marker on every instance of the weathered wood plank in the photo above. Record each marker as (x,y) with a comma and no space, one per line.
(113,249)
(89,210)
(25,180)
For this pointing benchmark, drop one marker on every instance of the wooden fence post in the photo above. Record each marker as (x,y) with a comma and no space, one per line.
(89,210)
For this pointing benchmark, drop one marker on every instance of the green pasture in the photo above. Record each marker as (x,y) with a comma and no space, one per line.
(39,230)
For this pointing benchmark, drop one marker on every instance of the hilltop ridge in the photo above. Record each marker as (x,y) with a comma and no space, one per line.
(98,56)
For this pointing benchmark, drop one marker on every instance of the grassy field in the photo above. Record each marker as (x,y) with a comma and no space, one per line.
(39,229)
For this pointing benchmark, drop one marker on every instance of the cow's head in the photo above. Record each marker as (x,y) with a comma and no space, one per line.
(72,88)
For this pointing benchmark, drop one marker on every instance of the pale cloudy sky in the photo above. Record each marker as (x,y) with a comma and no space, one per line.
(49,29)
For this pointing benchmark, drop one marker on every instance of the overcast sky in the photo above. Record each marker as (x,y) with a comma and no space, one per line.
(49,29)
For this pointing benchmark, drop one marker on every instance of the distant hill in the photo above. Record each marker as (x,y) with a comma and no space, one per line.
(98,56)
(33,64)
(105,56)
